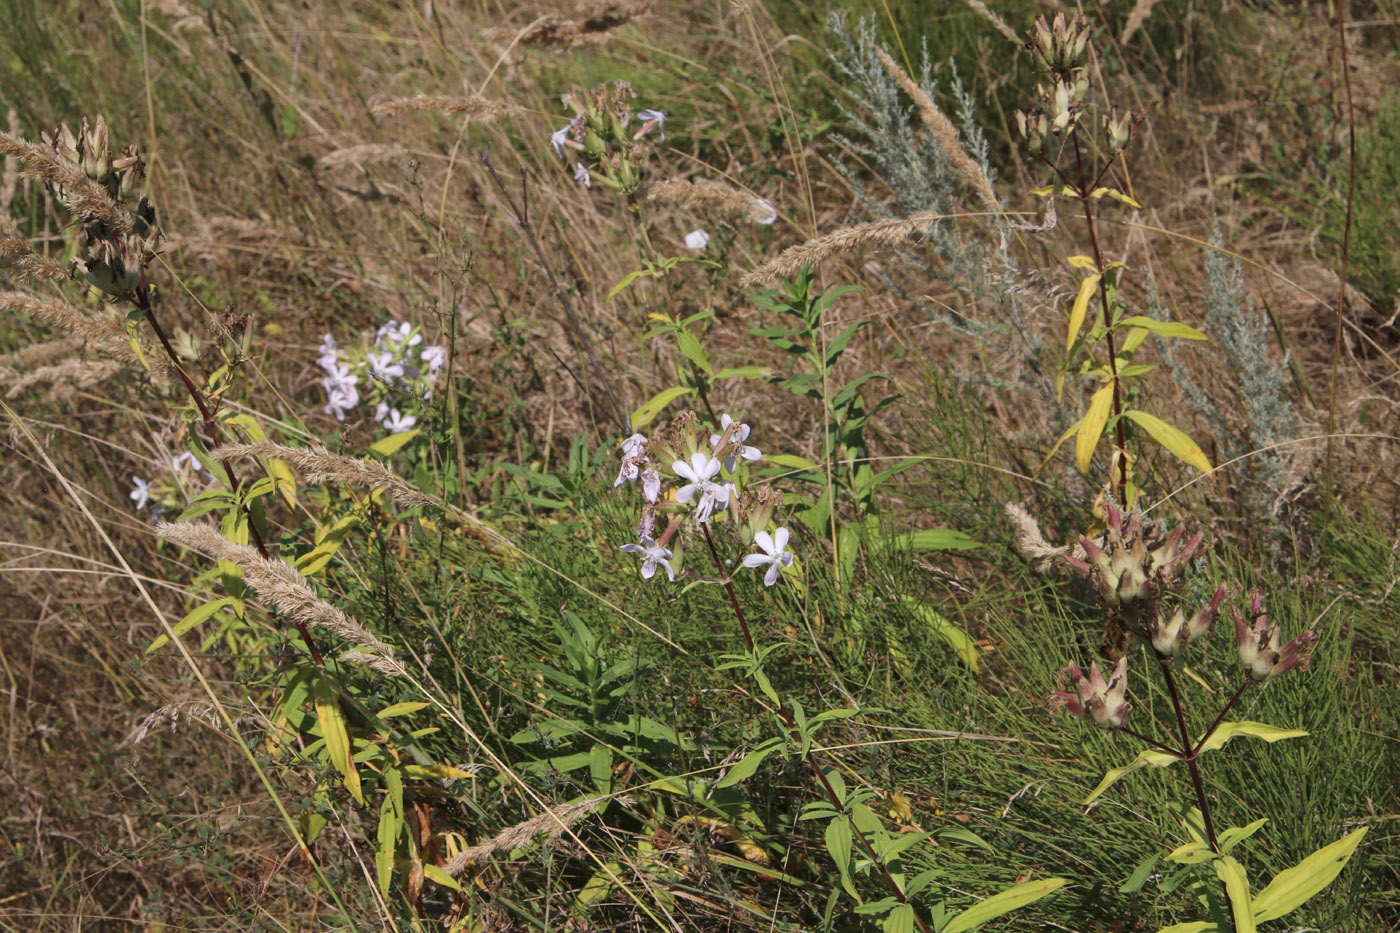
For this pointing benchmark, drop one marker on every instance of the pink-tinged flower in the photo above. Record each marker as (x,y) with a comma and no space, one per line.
(766,212)
(1102,702)
(650,119)
(1260,653)
(342,399)
(565,137)
(339,377)
(384,366)
(633,456)
(652,554)
(735,447)
(775,554)
(697,239)
(701,472)
(1132,562)
(1172,637)
(141,493)
(651,484)
(581,175)
(396,422)
(434,357)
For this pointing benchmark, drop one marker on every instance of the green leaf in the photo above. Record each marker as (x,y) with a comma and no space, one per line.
(337,739)
(1232,874)
(1145,757)
(442,878)
(748,764)
(1237,834)
(1254,730)
(1163,328)
(1173,439)
(1081,308)
(838,844)
(745,372)
(1294,886)
(930,539)
(1091,426)
(196,616)
(644,415)
(401,709)
(961,643)
(900,920)
(791,462)
(838,346)
(1139,877)
(690,347)
(1003,903)
(133,322)
(387,446)
(1196,926)
(390,825)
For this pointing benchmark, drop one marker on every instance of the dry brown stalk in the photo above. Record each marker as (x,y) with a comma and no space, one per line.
(16,253)
(285,590)
(709,195)
(63,377)
(103,332)
(84,197)
(1141,10)
(555,819)
(943,130)
(368,152)
(556,31)
(319,466)
(37,353)
(479,109)
(981,9)
(814,251)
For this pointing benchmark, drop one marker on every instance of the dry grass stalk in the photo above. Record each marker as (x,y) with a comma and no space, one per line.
(354,155)
(706,194)
(814,251)
(478,109)
(84,197)
(1141,10)
(556,31)
(63,378)
(285,590)
(16,253)
(1031,542)
(555,819)
(943,130)
(319,466)
(9,178)
(102,332)
(980,9)
(37,353)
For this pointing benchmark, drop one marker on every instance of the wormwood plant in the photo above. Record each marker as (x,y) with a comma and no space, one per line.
(1061,132)
(712,487)
(1138,571)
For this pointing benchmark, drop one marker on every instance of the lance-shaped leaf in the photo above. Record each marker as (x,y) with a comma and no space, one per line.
(1011,899)
(1080,308)
(1173,439)
(1232,874)
(1292,886)
(1091,427)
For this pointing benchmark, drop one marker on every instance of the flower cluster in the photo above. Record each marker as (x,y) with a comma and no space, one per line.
(1102,701)
(1260,654)
(705,469)
(601,134)
(398,372)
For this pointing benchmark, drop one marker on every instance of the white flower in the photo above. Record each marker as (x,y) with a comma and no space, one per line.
(632,457)
(342,400)
(651,484)
(329,355)
(651,118)
(435,357)
(697,239)
(561,138)
(736,440)
(141,494)
(397,423)
(581,175)
(184,458)
(770,213)
(327,344)
(653,554)
(381,412)
(701,472)
(339,377)
(775,554)
(384,366)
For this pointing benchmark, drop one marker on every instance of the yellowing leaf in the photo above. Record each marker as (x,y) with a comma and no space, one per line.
(1115,194)
(1232,874)
(282,476)
(1004,902)
(1145,757)
(386,446)
(1081,308)
(442,877)
(1134,340)
(1173,439)
(644,415)
(333,730)
(1091,427)
(1163,328)
(1083,262)
(1069,432)
(1292,886)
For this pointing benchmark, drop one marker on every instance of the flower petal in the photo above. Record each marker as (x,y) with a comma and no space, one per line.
(764,542)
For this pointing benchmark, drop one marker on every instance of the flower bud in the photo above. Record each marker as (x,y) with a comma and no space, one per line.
(1093,698)
(1260,654)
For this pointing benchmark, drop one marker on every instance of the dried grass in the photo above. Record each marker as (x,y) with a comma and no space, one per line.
(1141,10)
(943,130)
(711,196)
(84,197)
(287,591)
(554,30)
(17,255)
(477,109)
(875,233)
(981,10)
(556,820)
(102,332)
(63,378)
